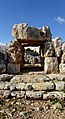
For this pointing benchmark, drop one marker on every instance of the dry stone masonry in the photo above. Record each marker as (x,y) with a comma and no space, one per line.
(47,84)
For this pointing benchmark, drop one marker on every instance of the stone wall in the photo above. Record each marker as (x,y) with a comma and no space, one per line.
(33,85)
(53,52)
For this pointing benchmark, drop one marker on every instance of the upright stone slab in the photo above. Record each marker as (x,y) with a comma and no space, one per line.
(63,47)
(49,49)
(51,65)
(62,68)
(13,68)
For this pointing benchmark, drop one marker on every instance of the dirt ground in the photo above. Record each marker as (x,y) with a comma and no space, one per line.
(31,109)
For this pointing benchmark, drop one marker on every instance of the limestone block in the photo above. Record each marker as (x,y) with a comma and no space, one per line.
(58,51)
(62,68)
(57,42)
(63,47)
(18,94)
(2,68)
(6,86)
(29,86)
(63,58)
(43,86)
(1,85)
(53,95)
(34,94)
(46,33)
(6,93)
(51,65)
(25,32)
(60,85)
(13,68)
(20,86)
(6,77)
(48,49)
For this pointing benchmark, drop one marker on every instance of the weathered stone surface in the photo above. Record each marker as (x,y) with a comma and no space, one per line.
(2,68)
(58,52)
(20,86)
(56,77)
(57,42)
(43,86)
(62,68)
(60,85)
(15,52)
(49,49)
(12,86)
(30,78)
(51,65)
(63,47)
(6,77)
(1,85)
(63,58)
(46,33)
(6,86)
(29,86)
(6,94)
(23,31)
(18,94)
(13,68)
(53,95)
(34,94)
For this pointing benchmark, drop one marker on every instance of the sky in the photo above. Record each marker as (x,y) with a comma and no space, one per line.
(37,13)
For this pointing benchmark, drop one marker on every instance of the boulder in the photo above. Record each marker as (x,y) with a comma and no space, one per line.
(25,32)
(51,65)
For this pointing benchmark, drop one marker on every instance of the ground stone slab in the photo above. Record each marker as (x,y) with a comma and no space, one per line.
(34,94)
(18,94)
(43,86)
(60,85)
(53,95)
(6,77)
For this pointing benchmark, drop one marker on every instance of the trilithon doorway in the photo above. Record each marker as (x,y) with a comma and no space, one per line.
(33,58)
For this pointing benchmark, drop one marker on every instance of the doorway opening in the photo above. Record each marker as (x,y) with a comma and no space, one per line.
(33,59)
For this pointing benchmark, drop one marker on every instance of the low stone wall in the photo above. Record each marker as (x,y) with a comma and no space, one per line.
(33,85)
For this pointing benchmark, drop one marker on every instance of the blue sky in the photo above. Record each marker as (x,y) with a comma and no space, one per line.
(36,13)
